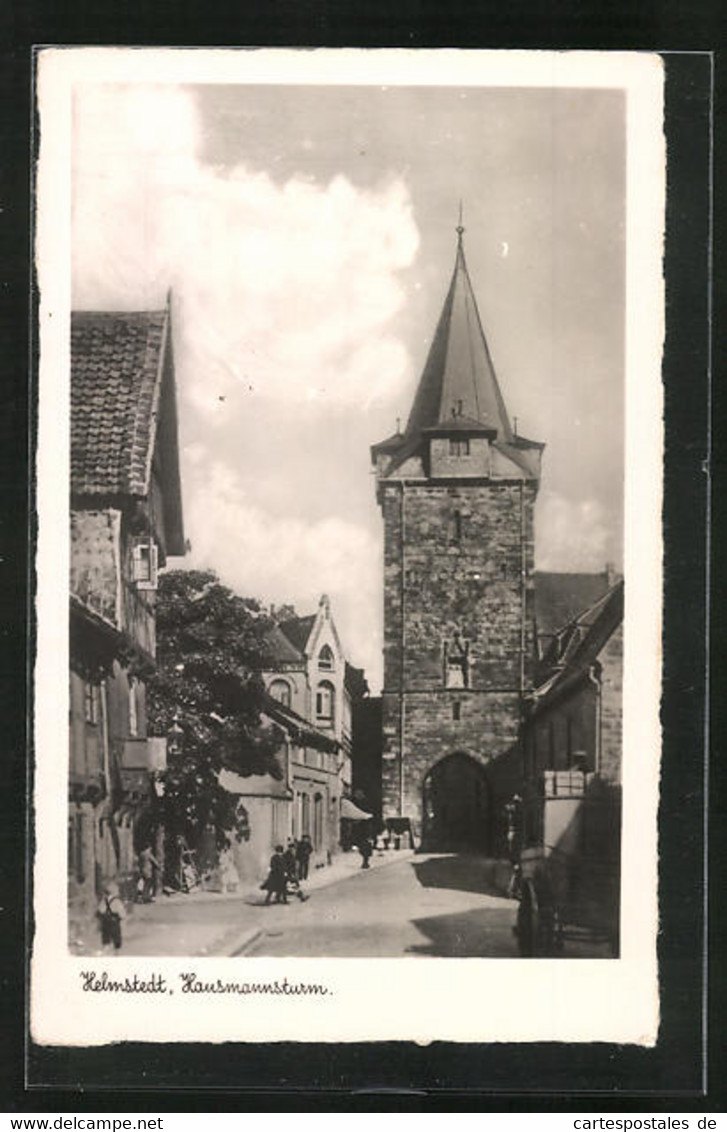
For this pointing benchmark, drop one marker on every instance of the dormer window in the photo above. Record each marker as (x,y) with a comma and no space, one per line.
(459,446)
(325,659)
(145,564)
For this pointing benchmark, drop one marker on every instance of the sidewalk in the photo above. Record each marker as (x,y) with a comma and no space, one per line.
(224,924)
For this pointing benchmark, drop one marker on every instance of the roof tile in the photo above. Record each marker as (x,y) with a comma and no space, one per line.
(115,361)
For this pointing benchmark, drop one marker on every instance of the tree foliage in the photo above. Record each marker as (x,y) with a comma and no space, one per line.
(209,649)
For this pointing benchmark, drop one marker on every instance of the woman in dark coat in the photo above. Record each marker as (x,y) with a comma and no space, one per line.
(275,882)
(303,854)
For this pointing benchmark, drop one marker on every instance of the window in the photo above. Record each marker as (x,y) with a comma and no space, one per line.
(325,659)
(280,691)
(455,528)
(318,821)
(145,564)
(325,702)
(90,702)
(459,446)
(133,710)
(456,711)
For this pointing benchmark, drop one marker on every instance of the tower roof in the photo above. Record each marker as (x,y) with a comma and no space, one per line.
(458,392)
(458,380)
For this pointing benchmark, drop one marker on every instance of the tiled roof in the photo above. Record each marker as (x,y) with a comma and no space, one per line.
(458,390)
(355,681)
(277,648)
(560,597)
(578,644)
(298,630)
(115,379)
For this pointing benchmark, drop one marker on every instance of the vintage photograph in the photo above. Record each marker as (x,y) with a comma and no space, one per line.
(346,388)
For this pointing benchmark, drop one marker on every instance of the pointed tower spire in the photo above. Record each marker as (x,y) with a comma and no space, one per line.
(459,373)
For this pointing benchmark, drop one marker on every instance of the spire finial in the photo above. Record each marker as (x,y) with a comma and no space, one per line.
(459,229)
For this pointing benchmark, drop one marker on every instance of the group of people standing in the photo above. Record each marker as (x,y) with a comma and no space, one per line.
(288,867)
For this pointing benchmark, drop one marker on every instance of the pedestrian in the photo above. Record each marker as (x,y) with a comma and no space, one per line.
(146,884)
(364,848)
(275,883)
(291,872)
(111,912)
(303,852)
(513,815)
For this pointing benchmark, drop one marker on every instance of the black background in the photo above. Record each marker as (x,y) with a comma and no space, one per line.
(398,1076)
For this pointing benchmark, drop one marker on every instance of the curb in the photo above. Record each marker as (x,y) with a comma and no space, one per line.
(243,944)
(229,945)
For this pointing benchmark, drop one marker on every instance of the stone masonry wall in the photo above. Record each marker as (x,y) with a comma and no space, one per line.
(453,566)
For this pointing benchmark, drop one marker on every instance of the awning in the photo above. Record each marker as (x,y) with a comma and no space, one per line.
(352,812)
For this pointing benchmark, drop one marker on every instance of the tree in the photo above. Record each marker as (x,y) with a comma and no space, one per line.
(209,643)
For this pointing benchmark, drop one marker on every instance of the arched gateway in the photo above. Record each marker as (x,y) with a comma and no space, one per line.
(455,806)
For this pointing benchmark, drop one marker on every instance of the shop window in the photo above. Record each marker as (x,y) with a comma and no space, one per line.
(280,691)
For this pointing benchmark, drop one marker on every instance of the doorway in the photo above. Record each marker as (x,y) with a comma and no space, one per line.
(456,805)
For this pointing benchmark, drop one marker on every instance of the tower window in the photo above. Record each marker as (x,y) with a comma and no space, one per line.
(325,658)
(459,446)
(456,711)
(455,528)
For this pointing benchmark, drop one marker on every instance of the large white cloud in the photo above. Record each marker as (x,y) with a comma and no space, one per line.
(286,288)
(284,294)
(286,559)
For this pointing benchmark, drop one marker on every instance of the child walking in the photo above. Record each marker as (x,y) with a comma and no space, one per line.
(111,913)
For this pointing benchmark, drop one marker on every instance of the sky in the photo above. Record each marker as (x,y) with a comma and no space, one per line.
(308,238)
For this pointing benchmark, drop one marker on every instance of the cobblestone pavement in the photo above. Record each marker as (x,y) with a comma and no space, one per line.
(430,905)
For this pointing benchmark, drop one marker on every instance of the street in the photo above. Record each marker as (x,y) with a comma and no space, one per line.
(427,905)
(446,905)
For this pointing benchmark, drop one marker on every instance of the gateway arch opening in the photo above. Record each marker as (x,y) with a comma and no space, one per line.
(456,806)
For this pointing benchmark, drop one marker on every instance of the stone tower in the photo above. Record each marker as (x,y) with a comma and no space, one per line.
(457,490)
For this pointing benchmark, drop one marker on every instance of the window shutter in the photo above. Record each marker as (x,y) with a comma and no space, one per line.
(138,563)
